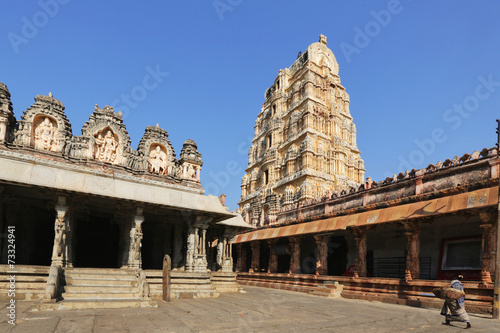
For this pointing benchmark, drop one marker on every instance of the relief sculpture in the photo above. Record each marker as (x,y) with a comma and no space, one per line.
(106,147)
(44,135)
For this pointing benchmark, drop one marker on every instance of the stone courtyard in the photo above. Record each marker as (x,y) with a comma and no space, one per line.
(257,310)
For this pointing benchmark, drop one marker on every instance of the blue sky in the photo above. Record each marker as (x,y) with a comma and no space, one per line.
(423,76)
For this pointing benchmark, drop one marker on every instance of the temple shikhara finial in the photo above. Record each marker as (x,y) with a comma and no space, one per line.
(305,139)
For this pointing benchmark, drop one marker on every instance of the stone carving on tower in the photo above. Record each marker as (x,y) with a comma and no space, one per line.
(7,119)
(158,151)
(105,142)
(44,126)
(190,161)
(108,140)
(304,146)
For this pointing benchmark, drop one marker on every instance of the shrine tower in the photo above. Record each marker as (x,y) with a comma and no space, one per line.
(305,139)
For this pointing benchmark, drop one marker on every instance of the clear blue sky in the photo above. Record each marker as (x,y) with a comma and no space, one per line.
(417,71)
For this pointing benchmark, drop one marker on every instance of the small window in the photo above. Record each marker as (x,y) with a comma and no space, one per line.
(463,254)
(266,177)
(274,110)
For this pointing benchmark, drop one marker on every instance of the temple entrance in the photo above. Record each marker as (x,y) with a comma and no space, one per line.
(156,242)
(337,255)
(96,242)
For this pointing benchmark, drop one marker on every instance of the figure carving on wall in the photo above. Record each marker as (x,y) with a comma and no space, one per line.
(191,172)
(158,161)
(44,135)
(106,147)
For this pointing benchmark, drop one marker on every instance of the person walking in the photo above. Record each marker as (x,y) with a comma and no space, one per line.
(456,307)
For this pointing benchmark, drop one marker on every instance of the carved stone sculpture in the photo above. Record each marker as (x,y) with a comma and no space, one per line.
(44,135)
(106,147)
(158,161)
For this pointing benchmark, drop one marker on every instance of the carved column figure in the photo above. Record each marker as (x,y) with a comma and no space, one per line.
(134,258)
(255,245)
(220,252)
(273,257)
(412,233)
(488,247)
(294,255)
(322,260)
(61,230)
(191,248)
(360,263)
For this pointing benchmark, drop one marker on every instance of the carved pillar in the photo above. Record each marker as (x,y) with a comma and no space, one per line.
(177,247)
(273,257)
(239,260)
(412,233)
(220,252)
(61,230)
(295,255)
(322,260)
(200,263)
(488,247)
(134,257)
(191,248)
(227,253)
(360,264)
(255,245)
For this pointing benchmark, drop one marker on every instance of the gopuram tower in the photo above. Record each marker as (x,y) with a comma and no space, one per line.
(305,140)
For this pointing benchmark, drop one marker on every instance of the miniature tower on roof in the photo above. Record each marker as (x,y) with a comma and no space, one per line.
(305,139)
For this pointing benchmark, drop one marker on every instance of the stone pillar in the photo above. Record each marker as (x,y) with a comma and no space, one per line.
(273,257)
(255,245)
(177,248)
(134,257)
(488,248)
(220,252)
(204,241)
(200,263)
(61,229)
(412,233)
(239,259)
(322,260)
(191,248)
(295,255)
(360,264)
(227,254)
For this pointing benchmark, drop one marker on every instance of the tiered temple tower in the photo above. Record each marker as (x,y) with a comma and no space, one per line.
(305,139)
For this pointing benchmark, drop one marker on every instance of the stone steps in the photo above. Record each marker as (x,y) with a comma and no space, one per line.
(94,304)
(86,288)
(101,281)
(30,281)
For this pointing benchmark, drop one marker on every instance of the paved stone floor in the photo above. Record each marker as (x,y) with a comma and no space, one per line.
(257,310)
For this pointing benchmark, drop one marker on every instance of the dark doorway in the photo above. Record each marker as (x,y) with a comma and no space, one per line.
(156,242)
(337,255)
(97,243)
(264,256)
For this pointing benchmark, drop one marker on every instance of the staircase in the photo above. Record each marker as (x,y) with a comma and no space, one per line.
(91,288)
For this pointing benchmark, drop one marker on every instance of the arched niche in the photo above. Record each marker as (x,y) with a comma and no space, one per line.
(44,133)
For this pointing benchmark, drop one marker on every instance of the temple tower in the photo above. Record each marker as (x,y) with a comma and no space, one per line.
(305,139)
